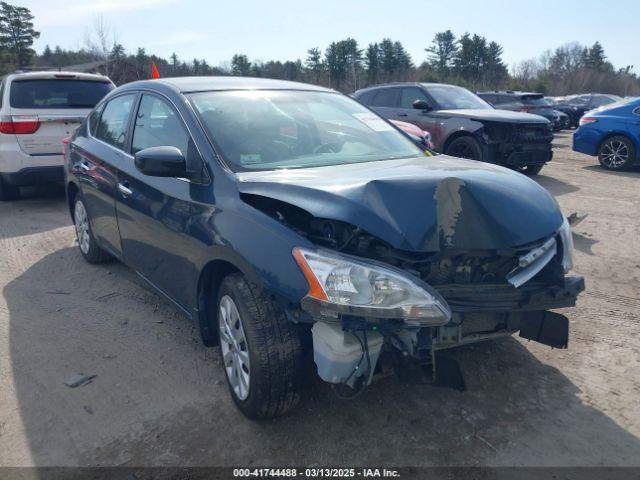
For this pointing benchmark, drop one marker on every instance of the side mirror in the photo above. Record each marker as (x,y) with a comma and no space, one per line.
(161,162)
(421,105)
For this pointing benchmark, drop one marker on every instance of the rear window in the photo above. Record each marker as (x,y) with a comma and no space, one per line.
(57,93)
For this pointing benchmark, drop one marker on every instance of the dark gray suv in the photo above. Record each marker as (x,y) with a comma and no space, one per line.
(463,125)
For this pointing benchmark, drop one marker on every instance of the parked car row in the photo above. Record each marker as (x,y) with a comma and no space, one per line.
(529,103)
(577,105)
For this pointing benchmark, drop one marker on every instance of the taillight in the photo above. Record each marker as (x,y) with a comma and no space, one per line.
(65,145)
(19,125)
(585,120)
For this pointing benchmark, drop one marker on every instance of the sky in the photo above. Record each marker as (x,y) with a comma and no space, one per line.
(286,29)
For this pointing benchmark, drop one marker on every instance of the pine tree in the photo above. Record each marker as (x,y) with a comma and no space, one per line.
(240,65)
(443,51)
(314,63)
(372,62)
(17,33)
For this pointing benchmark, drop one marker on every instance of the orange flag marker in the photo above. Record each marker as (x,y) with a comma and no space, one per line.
(154,71)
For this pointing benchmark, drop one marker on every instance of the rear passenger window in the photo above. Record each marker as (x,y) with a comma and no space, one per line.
(114,121)
(94,120)
(385,97)
(158,125)
(410,95)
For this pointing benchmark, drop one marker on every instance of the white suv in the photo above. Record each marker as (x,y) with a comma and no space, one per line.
(37,111)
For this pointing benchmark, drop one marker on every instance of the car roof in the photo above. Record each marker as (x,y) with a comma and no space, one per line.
(511,92)
(203,84)
(57,75)
(406,84)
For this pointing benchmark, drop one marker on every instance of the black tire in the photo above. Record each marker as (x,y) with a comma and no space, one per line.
(90,250)
(531,170)
(8,192)
(465,147)
(617,153)
(273,346)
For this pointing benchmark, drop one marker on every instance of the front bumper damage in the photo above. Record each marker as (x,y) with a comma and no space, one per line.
(417,354)
(519,145)
(479,312)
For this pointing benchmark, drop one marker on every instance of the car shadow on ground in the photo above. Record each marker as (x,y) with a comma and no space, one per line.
(46,204)
(555,186)
(584,243)
(160,398)
(634,172)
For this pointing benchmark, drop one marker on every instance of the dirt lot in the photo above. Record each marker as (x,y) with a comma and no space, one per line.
(159,397)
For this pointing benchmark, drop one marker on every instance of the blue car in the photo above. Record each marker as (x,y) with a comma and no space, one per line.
(611,133)
(292,224)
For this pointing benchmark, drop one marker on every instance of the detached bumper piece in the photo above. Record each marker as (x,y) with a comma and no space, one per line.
(507,298)
(548,328)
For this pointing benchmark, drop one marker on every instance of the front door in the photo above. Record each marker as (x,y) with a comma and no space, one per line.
(421,118)
(157,216)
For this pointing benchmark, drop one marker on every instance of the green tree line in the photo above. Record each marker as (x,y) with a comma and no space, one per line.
(468,59)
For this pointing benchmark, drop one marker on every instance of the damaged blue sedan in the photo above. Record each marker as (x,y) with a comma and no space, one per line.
(294,225)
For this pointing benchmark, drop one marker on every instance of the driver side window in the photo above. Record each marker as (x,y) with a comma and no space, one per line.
(158,125)
(410,95)
(114,121)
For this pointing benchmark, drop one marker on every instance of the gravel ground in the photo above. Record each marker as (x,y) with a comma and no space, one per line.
(159,397)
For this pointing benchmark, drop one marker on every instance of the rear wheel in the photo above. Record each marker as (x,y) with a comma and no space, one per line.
(8,192)
(465,147)
(260,349)
(616,153)
(89,248)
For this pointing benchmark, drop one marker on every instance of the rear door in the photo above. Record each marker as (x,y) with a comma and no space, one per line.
(57,105)
(385,102)
(95,158)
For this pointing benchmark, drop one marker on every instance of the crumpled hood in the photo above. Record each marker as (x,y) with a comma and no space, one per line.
(419,204)
(493,115)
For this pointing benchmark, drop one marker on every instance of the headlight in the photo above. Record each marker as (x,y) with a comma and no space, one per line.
(348,285)
(567,245)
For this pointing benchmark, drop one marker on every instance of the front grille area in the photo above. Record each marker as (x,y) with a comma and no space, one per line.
(531,134)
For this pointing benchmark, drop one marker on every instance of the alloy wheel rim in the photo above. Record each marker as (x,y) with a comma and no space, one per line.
(615,154)
(235,350)
(82,227)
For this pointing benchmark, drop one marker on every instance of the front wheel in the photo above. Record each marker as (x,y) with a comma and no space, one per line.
(616,153)
(89,248)
(260,347)
(465,147)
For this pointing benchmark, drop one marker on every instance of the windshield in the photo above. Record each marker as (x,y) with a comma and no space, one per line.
(271,129)
(449,97)
(50,93)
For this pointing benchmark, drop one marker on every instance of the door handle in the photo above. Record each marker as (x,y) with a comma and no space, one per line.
(402,115)
(124,189)
(85,166)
